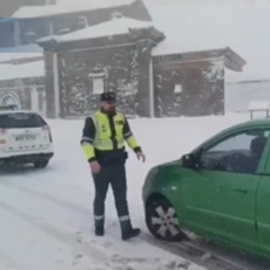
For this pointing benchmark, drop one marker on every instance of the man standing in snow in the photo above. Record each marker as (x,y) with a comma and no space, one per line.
(104,135)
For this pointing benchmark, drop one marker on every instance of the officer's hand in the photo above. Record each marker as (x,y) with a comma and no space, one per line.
(141,156)
(95,167)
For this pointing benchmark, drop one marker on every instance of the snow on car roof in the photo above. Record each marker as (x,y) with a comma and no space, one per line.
(116,26)
(62,7)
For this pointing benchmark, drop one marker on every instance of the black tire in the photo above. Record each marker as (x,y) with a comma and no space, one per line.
(41,164)
(162,220)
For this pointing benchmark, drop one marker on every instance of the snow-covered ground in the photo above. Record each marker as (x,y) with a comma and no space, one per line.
(46,216)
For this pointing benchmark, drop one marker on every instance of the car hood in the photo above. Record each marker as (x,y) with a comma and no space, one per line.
(161,176)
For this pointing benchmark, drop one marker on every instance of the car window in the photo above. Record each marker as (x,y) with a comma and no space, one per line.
(21,120)
(240,153)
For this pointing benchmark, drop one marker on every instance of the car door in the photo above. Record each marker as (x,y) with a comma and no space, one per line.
(220,197)
(263,209)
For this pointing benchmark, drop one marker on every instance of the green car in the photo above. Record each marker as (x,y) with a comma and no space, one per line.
(221,191)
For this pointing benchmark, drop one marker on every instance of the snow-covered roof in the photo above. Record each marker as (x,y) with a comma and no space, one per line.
(63,8)
(116,26)
(27,51)
(29,70)
(243,28)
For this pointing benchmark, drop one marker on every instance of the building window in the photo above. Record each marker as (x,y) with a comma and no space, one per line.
(178,89)
(97,83)
(83,21)
(117,15)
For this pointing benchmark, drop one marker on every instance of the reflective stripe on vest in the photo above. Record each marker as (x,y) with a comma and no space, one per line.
(103,139)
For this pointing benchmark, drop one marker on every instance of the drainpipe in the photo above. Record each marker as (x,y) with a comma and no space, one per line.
(56,86)
(151,89)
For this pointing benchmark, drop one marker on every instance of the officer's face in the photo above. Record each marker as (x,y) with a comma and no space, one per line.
(108,106)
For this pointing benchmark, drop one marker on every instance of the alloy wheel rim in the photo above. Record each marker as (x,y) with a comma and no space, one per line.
(165,221)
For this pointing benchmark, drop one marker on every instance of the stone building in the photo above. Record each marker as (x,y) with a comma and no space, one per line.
(122,55)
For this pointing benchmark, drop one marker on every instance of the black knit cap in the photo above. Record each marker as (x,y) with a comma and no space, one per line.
(108,96)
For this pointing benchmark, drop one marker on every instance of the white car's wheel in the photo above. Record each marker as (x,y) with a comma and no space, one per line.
(41,164)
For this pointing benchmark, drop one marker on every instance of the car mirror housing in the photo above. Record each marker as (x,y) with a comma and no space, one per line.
(191,161)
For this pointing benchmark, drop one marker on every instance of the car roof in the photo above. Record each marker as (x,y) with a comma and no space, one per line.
(254,123)
(15,111)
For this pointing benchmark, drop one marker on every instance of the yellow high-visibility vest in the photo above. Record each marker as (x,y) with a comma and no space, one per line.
(108,136)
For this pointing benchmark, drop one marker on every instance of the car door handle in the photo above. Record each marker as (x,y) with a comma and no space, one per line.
(240,190)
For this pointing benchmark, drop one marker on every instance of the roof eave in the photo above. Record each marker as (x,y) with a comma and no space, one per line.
(234,61)
(55,42)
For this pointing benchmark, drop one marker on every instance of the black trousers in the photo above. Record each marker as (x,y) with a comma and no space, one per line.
(114,174)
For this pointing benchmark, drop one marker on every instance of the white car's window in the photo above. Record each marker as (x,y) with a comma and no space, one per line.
(21,120)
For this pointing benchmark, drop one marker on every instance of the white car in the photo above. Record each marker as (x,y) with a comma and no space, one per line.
(25,137)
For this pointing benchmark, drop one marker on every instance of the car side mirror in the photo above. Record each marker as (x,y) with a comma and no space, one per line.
(191,161)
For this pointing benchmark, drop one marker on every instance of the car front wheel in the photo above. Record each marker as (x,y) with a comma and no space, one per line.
(162,220)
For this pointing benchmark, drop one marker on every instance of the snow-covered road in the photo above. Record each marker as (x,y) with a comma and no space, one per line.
(46,216)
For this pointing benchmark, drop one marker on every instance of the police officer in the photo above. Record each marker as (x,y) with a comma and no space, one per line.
(104,135)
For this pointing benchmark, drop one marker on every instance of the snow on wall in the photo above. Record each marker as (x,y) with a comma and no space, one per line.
(63,8)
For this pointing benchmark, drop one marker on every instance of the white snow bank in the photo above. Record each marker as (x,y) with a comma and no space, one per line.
(116,26)
(29,70)
(63,8)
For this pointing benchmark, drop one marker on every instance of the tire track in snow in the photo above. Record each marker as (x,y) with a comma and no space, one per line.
(84,211)
(70,240)
(209,255)
(111,261)
(124,262)
(47,197)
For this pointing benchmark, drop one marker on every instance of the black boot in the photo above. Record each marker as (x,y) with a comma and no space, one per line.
(99,227)
(99,231)
(131,233)
(128,232)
